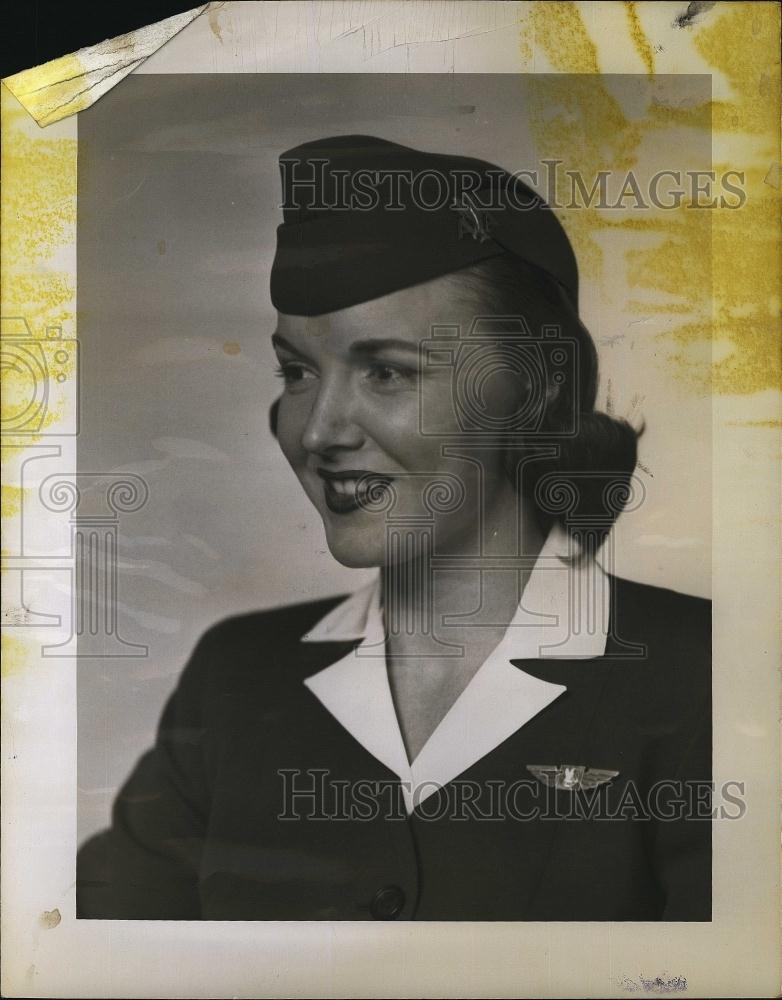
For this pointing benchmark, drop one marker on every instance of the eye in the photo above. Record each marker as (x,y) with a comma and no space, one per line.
(294,374)
(388,376)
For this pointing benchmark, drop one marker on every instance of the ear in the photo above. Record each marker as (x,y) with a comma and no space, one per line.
(273,416)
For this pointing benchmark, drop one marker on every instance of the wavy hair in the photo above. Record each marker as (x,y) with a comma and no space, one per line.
(583,481)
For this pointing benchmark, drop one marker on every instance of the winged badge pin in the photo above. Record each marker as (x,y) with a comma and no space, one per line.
(571,777)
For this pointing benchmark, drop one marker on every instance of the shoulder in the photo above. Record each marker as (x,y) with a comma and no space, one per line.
(674,626)
(241,652)
(277,626)
(674,631)
(661,604)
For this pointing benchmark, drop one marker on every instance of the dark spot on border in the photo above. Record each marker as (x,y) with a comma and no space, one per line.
(694,9)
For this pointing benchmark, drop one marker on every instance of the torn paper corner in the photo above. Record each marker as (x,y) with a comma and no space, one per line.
(74,82)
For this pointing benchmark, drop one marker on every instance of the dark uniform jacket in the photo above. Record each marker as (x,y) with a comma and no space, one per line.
(228,816)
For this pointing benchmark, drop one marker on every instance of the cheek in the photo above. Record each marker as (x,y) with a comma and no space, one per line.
(503,393)
(291,422)
(415,445)
(394,430)
(412,428)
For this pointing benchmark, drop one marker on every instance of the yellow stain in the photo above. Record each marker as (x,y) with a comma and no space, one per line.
(715,272)
(743,44)
(38,216)
(38,220)
(53,90)
(559,30)
(640,41)
(15,653)
(12,500)
(755,423)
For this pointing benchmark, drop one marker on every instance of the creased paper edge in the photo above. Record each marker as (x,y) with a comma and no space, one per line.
(64,86)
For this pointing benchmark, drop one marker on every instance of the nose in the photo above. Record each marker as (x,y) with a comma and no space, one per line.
(330,425)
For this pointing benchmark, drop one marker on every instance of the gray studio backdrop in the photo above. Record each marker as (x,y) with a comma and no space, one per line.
(177,208)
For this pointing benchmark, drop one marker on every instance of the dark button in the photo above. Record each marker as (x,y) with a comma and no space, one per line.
(388,903)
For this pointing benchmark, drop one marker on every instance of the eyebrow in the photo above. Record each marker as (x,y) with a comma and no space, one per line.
(279,341)
(363,348)
(377,346)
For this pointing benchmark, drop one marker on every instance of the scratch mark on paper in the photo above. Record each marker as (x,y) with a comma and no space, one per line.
(657,984)
(15,616)
(403,25)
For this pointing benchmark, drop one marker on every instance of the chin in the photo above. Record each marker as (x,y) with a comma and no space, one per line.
(356,549)
(355,556)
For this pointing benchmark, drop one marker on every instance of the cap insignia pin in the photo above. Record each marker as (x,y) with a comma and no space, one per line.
(473,222)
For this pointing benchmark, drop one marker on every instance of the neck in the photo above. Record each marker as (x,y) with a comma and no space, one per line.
(429,608)
(442,624)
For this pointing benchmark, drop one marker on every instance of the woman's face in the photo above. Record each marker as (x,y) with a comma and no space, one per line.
(363,422)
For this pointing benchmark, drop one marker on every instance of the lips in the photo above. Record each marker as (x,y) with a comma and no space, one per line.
(351,489)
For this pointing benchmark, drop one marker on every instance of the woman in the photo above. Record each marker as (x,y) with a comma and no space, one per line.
(497,729)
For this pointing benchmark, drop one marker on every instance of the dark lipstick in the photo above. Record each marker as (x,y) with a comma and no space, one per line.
(361,489)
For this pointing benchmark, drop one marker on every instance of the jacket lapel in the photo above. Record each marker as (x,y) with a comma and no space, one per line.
(355,690)
(497,702)
(502,698)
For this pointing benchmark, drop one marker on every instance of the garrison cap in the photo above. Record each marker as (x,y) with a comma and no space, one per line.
(364,217)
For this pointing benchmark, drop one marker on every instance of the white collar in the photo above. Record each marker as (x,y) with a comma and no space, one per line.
(499,699)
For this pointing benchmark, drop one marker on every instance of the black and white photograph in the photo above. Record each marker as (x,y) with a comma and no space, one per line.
(498,725)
